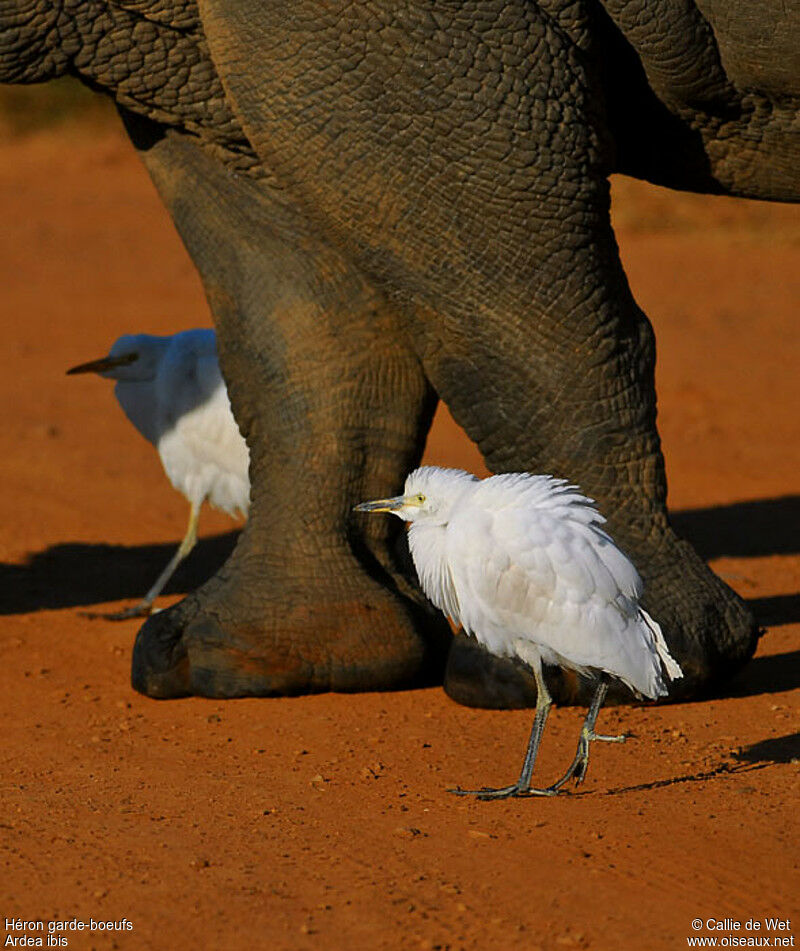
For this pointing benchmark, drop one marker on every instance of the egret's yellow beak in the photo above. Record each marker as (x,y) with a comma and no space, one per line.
(104,363)
(382,505)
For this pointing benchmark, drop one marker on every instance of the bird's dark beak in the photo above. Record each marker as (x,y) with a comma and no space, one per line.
(382,505)
(105,363)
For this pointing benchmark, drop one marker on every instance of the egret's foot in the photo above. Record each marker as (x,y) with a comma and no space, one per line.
(136,610)
(577,770)
(515,791)
(248,637)
(579,765)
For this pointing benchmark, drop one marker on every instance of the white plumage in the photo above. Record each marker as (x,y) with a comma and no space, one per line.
(172,390)
(522,563)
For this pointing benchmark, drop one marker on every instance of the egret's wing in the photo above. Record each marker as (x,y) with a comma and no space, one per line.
(503,582)
(188,376)
(551,512)
(211,434)
(138,402)
(546,572)
(428,551)
(526,538)
(201,447)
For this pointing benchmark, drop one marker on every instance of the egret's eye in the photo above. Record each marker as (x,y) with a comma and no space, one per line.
(420,498)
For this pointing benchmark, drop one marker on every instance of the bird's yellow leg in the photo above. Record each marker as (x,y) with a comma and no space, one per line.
(145,606)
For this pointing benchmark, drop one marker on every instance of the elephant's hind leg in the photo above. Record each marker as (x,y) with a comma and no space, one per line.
(474,180)
(334,408)
(563,383)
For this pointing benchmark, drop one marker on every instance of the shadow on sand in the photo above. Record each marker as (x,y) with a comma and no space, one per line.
(74,574)
(779,749)
(775,673)
(775,751)
(743,529)
(749,530)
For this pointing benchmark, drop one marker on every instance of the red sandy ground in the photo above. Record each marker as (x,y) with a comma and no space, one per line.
(324,822)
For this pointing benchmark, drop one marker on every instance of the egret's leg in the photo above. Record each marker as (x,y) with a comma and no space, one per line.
(577,769)
(580,763)
(145,606)
(522,786)
(187,544)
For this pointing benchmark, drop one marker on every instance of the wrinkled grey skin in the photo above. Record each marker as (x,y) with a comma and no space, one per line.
(389,201)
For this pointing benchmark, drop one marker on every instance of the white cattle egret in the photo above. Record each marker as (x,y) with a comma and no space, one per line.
(521,563)
(172,391)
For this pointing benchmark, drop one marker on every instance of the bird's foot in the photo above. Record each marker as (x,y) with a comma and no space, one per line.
(515,791)
(143,609)
(579,765)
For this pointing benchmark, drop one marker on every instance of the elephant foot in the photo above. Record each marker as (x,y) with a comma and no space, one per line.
(709,630)
(708,627)
(475,678)
(217,644)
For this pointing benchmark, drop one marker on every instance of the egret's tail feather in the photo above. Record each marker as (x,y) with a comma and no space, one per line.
(671,667)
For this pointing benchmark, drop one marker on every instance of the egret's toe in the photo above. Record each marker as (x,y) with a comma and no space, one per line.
(515,791)
(136,611)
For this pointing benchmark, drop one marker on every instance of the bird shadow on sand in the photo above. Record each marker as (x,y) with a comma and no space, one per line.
(763,675)
(77,574)
(725,768)
(774,751)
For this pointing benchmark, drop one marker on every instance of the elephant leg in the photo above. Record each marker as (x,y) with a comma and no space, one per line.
(334,408)
(459,153)
(565,385)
